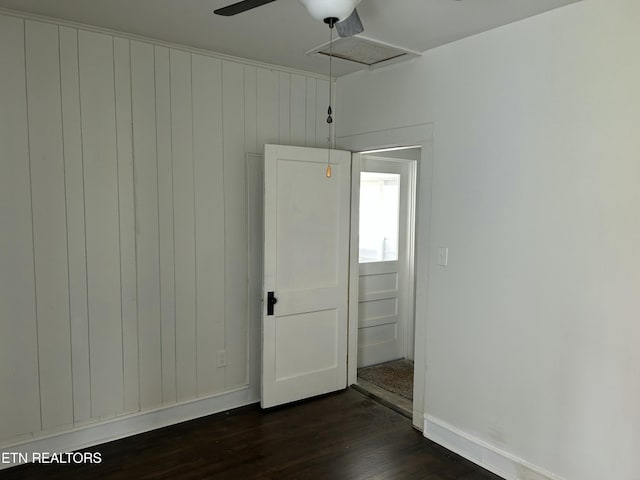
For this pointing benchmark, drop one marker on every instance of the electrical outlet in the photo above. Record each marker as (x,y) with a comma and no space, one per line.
(443,256)
(222,358)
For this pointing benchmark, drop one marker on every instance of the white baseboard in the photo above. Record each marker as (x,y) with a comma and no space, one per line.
(487,456)
(114,429)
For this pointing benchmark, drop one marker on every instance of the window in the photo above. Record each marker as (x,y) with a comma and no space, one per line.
(379,210)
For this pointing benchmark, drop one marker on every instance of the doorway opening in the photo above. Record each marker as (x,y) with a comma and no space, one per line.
(383,203)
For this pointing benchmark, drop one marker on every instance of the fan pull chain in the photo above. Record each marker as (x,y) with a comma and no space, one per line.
(330,110)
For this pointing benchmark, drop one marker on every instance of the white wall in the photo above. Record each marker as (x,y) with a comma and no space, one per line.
(123,220)
(404,154)
(533,327)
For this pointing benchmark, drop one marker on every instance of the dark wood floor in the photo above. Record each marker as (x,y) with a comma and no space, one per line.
(340,436)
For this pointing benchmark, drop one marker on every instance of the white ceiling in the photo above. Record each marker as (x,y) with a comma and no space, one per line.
(281,32)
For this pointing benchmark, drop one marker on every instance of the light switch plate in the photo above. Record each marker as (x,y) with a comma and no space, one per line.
(443,256)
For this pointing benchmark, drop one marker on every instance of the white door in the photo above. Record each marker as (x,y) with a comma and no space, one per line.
(385,314)
(306,273)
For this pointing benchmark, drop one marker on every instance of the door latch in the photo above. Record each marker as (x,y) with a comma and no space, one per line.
(271,301)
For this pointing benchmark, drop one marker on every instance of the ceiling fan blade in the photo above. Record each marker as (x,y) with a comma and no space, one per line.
(350,26)
(240,7)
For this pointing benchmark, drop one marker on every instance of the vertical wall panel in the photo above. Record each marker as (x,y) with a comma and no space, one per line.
(184,223)
(298,109)
(250,109)
(122,76)
(165,210)
(19,401)
(49,222)
(97,102)
(310,121)
(147,243)
(322,105)
(123,195)
(235,223)
(284,108)
(74,182)
(267,107)
(209,191)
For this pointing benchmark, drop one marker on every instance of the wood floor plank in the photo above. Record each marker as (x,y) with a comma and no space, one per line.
(340,436)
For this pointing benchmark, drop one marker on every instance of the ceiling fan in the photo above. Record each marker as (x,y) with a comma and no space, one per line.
(341,13)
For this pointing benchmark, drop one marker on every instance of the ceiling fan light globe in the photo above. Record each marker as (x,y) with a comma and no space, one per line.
(321,9)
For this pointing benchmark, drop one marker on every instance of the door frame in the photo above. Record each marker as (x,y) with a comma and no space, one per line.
(416,136)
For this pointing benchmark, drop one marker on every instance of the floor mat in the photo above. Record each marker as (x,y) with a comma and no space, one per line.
(396,377)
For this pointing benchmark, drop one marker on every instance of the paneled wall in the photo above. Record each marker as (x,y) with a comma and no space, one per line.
(123,219)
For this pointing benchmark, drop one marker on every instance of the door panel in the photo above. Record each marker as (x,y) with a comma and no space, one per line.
(304,220)
(378,282)
(384,215)
(296,358)
(306,258)
(379,322)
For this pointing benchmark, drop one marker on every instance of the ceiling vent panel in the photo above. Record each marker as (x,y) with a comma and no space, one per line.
(365,51)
